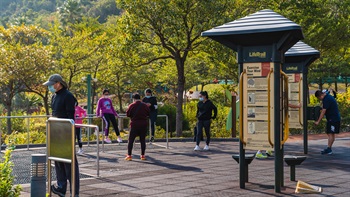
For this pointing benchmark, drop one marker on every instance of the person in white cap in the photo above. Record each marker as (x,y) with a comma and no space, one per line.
(63,106)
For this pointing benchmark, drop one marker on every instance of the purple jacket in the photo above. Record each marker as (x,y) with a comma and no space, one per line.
(104,106)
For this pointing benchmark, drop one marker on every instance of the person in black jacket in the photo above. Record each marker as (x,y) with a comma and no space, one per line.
(151,102)
(63,106)
(204,115)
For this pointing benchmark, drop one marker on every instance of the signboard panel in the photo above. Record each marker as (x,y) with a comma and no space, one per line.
(60,138)
(255,105)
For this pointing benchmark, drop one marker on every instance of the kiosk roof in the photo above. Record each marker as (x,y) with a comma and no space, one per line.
(261,28)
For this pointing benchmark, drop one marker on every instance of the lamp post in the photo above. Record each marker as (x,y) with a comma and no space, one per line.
(88,81)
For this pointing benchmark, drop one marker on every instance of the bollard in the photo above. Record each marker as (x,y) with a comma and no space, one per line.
(38,176)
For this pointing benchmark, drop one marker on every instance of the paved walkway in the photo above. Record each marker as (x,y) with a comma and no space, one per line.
(180,171)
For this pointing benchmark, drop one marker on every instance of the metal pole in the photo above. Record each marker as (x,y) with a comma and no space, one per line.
(167,131)
(242,170)
(73,162)
(103,137)
(149,128)
(28,133)
(48,160)
(277,120)
(88,81)
(98,151)
(305,96)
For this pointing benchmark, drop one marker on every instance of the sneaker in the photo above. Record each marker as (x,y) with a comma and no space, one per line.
(269,153)
(128,158)
(80,151)
(322,151)
(107,140)
(57,190)
(327,151)
(206,147)
(259,155)
(151,139)
(197,148)
(143,157)
(119,140)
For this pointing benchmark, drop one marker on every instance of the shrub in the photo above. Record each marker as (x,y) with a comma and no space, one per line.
(218,126)
(6,178)
(170,111)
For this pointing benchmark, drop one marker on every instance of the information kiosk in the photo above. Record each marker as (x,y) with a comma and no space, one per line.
(260,40)
(296,62)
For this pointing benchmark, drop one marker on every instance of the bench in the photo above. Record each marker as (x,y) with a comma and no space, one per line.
(248,159)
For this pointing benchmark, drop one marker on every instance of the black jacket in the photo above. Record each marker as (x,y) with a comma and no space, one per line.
(63,104)
(205,110)
(152,100)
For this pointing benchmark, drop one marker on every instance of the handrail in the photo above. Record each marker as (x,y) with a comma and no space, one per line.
(37,116)
(241,107)
(166,129)
(97,143)
(268,107)
(286,117)
(300,111)
(89,116)
(28,123)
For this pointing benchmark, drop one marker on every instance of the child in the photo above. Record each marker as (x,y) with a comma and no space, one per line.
(79,115)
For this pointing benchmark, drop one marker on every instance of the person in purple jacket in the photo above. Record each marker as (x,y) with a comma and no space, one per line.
(106,111)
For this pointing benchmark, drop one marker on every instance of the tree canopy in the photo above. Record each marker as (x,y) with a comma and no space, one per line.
(130,45)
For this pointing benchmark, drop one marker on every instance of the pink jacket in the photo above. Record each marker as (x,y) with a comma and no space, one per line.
(79,114)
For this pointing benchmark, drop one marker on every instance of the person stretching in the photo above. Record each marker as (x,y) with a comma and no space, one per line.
(106,110)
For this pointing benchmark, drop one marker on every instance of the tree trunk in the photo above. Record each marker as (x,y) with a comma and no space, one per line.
(9,123)
(346,84)
(120,98)
(180,89)
(46,103)
(119,92)
(320,84)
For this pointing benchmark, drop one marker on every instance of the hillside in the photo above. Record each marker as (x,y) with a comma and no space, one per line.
(43,12)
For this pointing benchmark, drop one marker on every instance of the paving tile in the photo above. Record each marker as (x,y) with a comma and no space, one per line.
(182,172)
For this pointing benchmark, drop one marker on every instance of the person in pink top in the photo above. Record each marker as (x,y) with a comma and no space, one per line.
(79,115)
(106,110)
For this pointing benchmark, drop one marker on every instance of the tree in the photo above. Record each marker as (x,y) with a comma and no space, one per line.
(70,12)
(103,9)
(26,58)
(174,26)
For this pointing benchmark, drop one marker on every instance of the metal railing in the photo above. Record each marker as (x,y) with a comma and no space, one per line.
(166,129)
(89,116)
(97,144)
(28,124)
